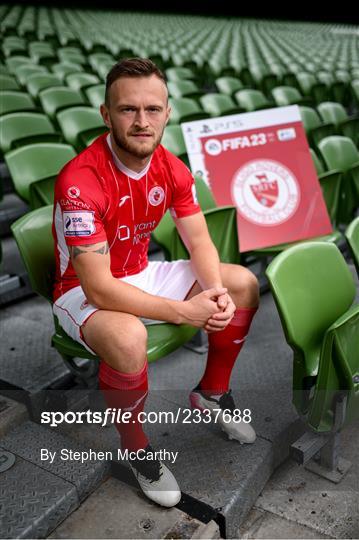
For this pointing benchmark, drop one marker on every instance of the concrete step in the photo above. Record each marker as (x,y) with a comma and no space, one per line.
(36,495)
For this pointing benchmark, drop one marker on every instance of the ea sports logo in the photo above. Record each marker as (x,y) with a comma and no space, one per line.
(213,147)
(156,195)
(73,192)
(265,192)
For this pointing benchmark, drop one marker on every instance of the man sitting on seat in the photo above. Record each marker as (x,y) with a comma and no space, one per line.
(108,199)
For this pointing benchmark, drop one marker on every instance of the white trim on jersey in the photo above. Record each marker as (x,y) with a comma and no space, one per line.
(122,167)
(61,242)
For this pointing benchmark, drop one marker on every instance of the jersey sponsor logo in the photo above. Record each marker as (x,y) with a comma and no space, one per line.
(123,200)
(123,233)
(78,223)
(74,204)
(265,192)
(143,231)
(156,195)
(73,192)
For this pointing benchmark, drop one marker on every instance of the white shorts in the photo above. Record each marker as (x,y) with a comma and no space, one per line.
(171,280)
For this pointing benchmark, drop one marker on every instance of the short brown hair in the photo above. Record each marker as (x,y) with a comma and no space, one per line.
(132,67)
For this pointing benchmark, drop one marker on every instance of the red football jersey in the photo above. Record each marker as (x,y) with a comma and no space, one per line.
(97,198)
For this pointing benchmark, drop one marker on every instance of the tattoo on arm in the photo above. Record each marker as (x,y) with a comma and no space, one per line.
(89,248)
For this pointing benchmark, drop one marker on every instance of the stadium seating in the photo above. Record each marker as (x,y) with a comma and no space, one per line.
(219,105)
(317,317)
(222,227)
(96,95)
(336,114)
(352,236)
(174,142)
(314,127)
(33,170)
(341,154)
(163,234)
(7,82)
(54,100)
(228,85)
(12,101)
(185,110)
(18,129)
(80,125)
(252,100)
(40,81)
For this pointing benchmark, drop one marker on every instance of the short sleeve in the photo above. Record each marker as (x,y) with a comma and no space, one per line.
(79,206)
(184,201)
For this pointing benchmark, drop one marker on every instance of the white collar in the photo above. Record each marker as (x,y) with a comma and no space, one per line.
(128,172)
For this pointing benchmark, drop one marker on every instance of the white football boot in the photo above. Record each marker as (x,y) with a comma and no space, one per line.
(238,430)
(156,480)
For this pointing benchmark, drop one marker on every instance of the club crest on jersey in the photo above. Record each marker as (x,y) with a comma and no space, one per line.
(265,192)
(156,195)
(73,192)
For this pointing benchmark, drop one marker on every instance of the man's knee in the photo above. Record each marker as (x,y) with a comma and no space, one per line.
(121,340)
(244,284)
(133,341)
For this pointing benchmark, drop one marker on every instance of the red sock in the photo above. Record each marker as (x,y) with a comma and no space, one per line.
(224,347)
(123,391)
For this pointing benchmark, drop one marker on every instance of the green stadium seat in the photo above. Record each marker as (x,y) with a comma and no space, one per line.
(40,81)
(340,153)
(96,60)
(185,110)
(37,164)
(181,89)
(13,45)
(319,166)
(13,101)
(19,129)
(34,238)
(312,88)
(42,52)
(314,127)
(219,105)
(73,55)
(163,234)
(62,69)
(179,74)
(13,62)
(53,100)
(80,125)
(228,85)
(174,142)
(286,95)
(81,81)
(222,227)
(324,292)
(263,78)
(8,83)
(24,71)
(252,100)
(336,114)
(352,236)
(96,95)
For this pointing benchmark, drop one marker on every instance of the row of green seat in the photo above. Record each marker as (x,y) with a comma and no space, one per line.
(268,52)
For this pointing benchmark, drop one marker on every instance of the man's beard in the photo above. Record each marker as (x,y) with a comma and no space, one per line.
(134,150)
